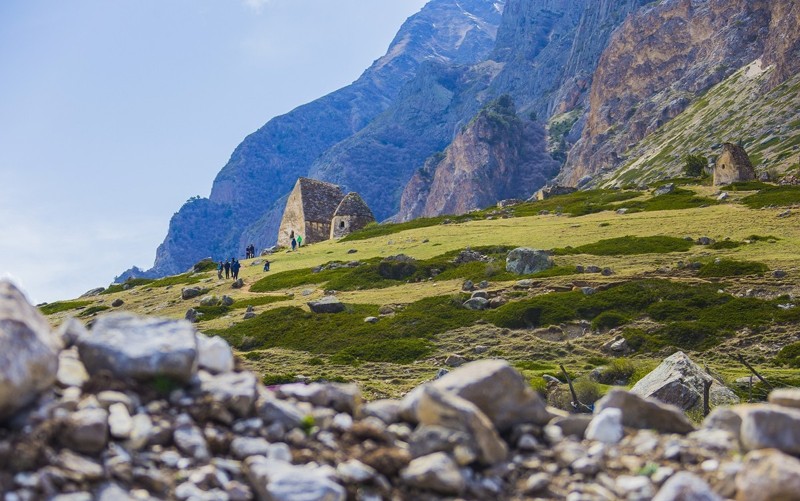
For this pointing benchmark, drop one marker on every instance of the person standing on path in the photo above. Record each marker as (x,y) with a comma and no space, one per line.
(227,268)
(299,241)
(219,269)
(294,244)
(235,265)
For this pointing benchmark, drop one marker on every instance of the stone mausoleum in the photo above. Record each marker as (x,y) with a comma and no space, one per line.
(733,166)
(319,211)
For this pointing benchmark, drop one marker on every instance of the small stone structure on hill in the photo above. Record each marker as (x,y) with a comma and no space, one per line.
(733,165)
(319,211)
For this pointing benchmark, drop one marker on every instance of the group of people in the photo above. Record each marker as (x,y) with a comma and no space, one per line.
(230,268)
(250,251)
(297,241)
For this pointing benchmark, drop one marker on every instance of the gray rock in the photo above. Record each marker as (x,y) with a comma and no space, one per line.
(768,475)
(275,480)
(86,431)
(191,292)
(606,426)
(80,466)
(437,472)
(478,382)
(354,471)
(340,396)
(237,284)
(687,487)
(680,382)
(573,424)
(371,320)
(120,423)
(723,418)
(450,411)
(70,330)
(190,440)
(214,354)
(226,300)
(192,315)
(536,483)
(455,360)
(664,190)
(467,286)
(29,354)
(235,390)
(112,492)
(117,303)
(386,410)
(93,292)
(723,196)
(140,348)
(786,397)
(248,315)
(244,447)
(524,261)
(272,410)
(71,371)
(476,303)
(427,439)
(328,304)
(481,293)
(705,241)
(645,414)
(770,426)
(210,301)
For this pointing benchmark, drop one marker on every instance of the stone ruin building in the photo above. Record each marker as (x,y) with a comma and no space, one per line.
(319,211)
(733,165)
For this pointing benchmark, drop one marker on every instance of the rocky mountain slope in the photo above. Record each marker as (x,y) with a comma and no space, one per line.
(607,78)
(497,156)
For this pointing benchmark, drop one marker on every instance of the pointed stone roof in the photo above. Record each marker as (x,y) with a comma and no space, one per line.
(320,199)
(353,205)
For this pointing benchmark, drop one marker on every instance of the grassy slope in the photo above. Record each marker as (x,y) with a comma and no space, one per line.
(731,220)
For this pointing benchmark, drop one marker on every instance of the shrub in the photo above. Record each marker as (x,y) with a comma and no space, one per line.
(276,379)
(695,166)
(258,301)
(780,196)
(211,312)
(630,245)
(619,369)
(588,392)
(725,244)
(731,268)
(609,320)
(204,265)
(93,310)
(128,284)
(49,309)
(789,355)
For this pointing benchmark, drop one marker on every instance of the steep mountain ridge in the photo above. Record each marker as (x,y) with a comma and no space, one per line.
(264,167)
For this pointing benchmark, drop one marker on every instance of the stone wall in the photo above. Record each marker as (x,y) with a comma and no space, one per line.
(293,219)
(346,224)
(733,165)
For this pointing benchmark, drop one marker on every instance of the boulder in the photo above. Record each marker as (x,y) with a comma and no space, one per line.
(664,189)
(214,354)
(785,397)
(768,475)
(192,315)
(237,284)
(770,426)
(276,480)
(686,486)
(191,292)
(641,413)
(93,292)
(140,348)
(29,354)
(606,426)
(478,382)
(455,360)
(226,300)
(437,472)
(524,261)
(117,303)
(680,382)
(86,431)
(210,301)
(328,304)
(439,408)
(235,390)
(476,303)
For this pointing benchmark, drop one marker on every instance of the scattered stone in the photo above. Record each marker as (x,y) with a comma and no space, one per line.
(480,349)
(161,348)
(785,397)
(645,414)
(476,303)
(371,320)
(226,300)
(536,483)
(352,251)
(120,423)
(607,272)
(214,354)
(191,292)
(524,261)
(237,284)
(71,371)
(117,303)
(93,292)
(480,294)
(665,189)
(770,426)
(455,360)
(606,426)
(768,475)
(386,410)
(467,286)
(210,301)
(29,354)
(705,241)
(277,480)
(328,304)
(785,213)
(437,472)
(779,274)
(235,390)
(723,196)
(192,315)
(86,431)
(249,314)
(307,292)
(687,486)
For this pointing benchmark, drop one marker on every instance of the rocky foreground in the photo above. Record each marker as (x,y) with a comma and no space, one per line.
(141,408)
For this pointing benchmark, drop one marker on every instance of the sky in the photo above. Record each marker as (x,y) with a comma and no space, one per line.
(114,113)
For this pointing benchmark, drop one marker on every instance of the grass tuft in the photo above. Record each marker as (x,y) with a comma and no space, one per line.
(630,245)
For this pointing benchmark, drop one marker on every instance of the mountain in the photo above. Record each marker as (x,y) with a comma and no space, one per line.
(497,156)
(265,166)
(624,89)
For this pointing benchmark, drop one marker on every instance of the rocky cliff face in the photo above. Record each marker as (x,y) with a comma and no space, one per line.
(497,156)
(246,194)
(662,58)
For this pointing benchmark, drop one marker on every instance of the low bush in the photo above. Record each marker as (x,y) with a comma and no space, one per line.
(779,196)
(204,265)
(609,320)
(731,268)
(49,309)
(747,186)
(677,200)
(184,279)
(789,355)
(92,310)
(619,369)
(630,245)
(128,284)
(580,203)
(212,312)
(276,379)
(725,244)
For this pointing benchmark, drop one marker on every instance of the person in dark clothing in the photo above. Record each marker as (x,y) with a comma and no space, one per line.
(227,268)
(219,269)
(266,265)
(294,243)
(235,265)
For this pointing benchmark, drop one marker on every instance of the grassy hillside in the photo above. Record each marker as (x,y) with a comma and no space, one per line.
(666,292)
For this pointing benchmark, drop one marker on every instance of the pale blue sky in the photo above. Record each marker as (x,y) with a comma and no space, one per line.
(114,112)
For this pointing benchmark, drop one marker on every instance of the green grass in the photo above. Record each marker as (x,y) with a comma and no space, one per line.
(789,355)
(60,306)
(184,279)
(725,244)
(630,245)
(258,301)
(212,312)
(746,186)
(579,203)
(92,310)
(731,268)
(677,200)
(779,196)
(130,283)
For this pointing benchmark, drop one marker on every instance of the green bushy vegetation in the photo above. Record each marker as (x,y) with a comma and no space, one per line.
(212,312)
(579,203)
(731,268)
(695,166)
(677,200)
(746,186)
(49,309)
(93,310)
(184,279)
(779,196)
(609,320)
(128,284)
(630,245)
(258,301)
(204,266)
(789,355)
(762,238)
(725,244)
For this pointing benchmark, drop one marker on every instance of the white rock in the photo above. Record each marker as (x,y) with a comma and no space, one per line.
(355,472)
(437,472)
(86,430)
(606,426)
(685,485)
(280,481)
(244,447)
(214,354)
(120,423)
(236,390)
(71,371)
(29,354)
